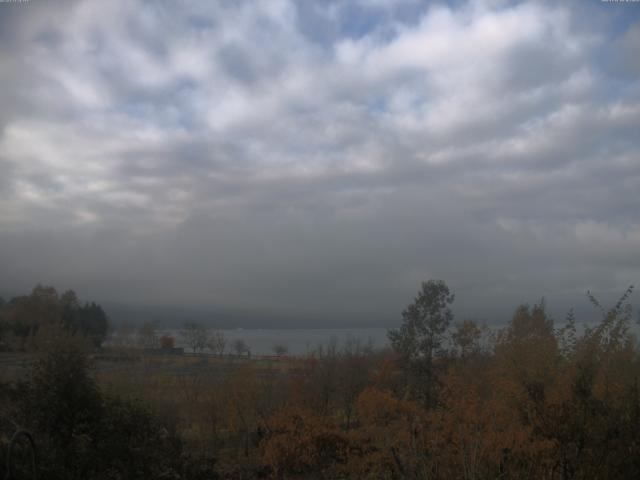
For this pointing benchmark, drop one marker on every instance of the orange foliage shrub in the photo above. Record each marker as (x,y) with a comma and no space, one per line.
(476,435)
(300,442)
(389,440)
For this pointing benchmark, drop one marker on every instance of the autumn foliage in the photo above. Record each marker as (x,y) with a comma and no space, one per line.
(535,399)
(526,401)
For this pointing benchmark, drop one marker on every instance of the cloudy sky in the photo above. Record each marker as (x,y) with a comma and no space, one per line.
(318,160)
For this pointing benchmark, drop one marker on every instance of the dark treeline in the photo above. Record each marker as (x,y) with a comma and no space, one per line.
(449,400)
(28,319)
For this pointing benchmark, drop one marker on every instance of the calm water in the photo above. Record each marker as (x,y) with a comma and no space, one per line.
(297,341)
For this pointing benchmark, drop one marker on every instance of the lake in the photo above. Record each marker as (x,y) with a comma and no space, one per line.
(297,341)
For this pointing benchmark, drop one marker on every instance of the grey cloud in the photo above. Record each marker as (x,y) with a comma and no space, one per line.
(227,156)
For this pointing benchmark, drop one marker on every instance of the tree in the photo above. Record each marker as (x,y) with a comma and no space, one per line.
(84,434)
(93,323)
(240,347)
(62,404)
(70,306)
(217,342)
(45,305)
(390,440)
(353,375)
(302,444)
(195,335)
(419,339)
(466,338)
(147,336)
(280,349)
(89,320)
(29,312)
(243,394)
(527,349)
(24,316)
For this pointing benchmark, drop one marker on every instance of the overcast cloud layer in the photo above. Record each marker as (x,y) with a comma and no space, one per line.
(320,159)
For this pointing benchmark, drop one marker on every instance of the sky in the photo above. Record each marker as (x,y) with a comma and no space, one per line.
(316,161)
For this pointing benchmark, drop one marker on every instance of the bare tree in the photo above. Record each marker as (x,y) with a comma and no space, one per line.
(352,374)
(280,349)
(240,347)
(217,342)
(195,336)
(147,335)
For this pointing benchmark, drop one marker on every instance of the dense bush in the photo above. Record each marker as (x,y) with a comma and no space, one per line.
(81,433)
